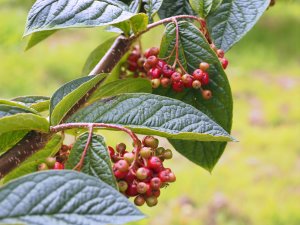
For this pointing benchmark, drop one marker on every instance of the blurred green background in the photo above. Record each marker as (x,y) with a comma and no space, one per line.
(257,181)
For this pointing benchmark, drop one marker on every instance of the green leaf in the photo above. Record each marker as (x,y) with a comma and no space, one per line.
(17,104)
(10,139)
(151,7)
(70,94)
(96,55)
(30,165)
(97,160)
(153,114)
(202,7)
(13,118)
(36,38)
(195,49)
(38,103)
(135,6)
(171,8)
(54,14)
(129,85)
(215,5)
(233,19)
(139,23)
(64,197)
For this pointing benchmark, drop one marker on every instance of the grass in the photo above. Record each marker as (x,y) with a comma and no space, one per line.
(257,180)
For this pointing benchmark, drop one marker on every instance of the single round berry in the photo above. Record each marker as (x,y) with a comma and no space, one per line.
(130,176)
(50,162)
(164,176)
(131,190)
(155,83)
(132,66)
(122,165)
(220,53)
(154,73)
(154,163)
(156,193)
(165,82)
(121,148)
(151,51)
(203,66)
(133,57)
(43,166)
(142,187)
(172,177)
(155,183)
(205,79)
(159,151)
(151,201)
(147,66)
(178,86)
(123,186)
(224,63)
(140,62)
(187,80)
(160,64)
(151,142)
(111,151)
(196,84)
(206,94)
(152,61)
(118,174)
(198,74)
(142,173)
(139,200)
(168,154)
(146,152)
(167,71)
(129,157)
(176,77)
(58,166)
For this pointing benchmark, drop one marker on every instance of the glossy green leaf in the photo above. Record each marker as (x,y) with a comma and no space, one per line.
(171,8)
(96,55)
(56,14)
(10,139)
(151,7)
(64,197)
(129,85)
(17,104)
(139,23)
(36,38)
(153,114)
(233,19)
(195,49)
(13,118)
(70,94)
(202,7)
(38,103)
(97,160)
(215,5)
(30,165)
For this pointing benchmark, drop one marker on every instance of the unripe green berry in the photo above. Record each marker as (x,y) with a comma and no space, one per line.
(150,141)
(129,157)
(155,83)
(43,166)
(50,161)
(151,201)
(168,154)
(159,151)
(123,186)
(146,152)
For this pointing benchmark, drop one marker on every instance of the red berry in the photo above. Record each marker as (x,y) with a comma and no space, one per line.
(121,148)
(142,187)
(165,82)
(206,94)
(58,166)
(203,66)
(176,77)
(122,165)
(111,151)
(156,193)
(143,173)
(224,62)
(154,73)
(155,183)
(220,53)
(154,163)
(152,61)
(129,157)
(118,174)
(155,83)
(198,74)
(133,57)
(129,178)
(160,64)
(150,141)
(147,66)
(172,177)
(167,71)
(164,176)
(205,79)
(123,186)
(151,51)
(140,62)
(43,166)
(178,86)
(139,200)
(151,201)
(187,80)
(131,190)
(196,84)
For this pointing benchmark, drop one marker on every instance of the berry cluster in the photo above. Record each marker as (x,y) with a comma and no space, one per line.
(220,53)
(143,177)
(57,162)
